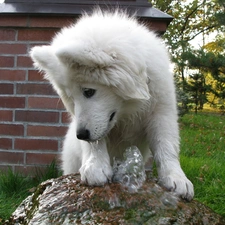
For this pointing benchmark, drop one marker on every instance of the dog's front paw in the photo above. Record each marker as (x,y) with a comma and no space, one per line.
(96,173)
(179,184)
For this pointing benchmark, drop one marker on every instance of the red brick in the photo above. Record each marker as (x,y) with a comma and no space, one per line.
(34,44)
(29,170)
(12,102)
(12,75)
(40,158)
(35,89)
(11,157)
(36,144)
(5,143)
(13,48)
(25,170)
(24,61)
(45,103)
(34,75)
(11,129)
(7,34)
(13,21)
(36,34)
(65,118)
(37,116)
(46,131)
(6,61)
(6,115)
(44,21)
(5,168)
(6,88)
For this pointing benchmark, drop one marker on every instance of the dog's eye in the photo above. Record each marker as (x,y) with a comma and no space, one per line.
(88,92)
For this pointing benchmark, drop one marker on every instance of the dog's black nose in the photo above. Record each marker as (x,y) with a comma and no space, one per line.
(83,134)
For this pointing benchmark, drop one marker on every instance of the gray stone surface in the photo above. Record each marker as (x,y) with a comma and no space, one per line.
(66,201)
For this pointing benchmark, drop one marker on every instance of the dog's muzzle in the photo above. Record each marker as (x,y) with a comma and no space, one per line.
(83,134)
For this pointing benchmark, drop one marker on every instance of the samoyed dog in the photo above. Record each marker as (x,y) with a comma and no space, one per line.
(113,76)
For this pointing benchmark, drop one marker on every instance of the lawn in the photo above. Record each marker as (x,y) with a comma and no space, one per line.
(202,158)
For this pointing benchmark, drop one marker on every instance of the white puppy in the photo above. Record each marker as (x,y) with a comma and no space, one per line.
(113,75)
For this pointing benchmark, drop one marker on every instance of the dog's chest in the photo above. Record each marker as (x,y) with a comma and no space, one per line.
(123,136)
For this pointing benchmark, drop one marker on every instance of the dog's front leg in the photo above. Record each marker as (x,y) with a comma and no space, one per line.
(164,143)
(96,168)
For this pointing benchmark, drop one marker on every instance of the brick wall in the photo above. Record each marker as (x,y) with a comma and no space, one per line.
(33,120)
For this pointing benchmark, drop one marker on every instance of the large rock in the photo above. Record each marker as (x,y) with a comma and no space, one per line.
(66,201)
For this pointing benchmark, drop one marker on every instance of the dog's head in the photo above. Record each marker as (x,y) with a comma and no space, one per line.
(97,109)
(96,65)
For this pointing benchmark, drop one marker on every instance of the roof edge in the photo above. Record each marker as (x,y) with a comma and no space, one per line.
(144,11)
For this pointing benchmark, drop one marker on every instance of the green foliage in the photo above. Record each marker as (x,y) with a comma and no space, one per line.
(191,19)
(15,187)
(183,97)
(203,157)
(211,64)
(197,88)
(220,16)
(12,182)
(51,171)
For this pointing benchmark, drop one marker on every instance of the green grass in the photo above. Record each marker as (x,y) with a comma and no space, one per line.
(15,187)
(203,157)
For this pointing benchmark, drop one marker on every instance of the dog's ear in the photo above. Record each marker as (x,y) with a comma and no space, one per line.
(133,90)
(43,57)
(128,83)
(45,60)
(140,91)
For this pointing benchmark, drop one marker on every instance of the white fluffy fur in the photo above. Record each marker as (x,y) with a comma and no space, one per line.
(129,68)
